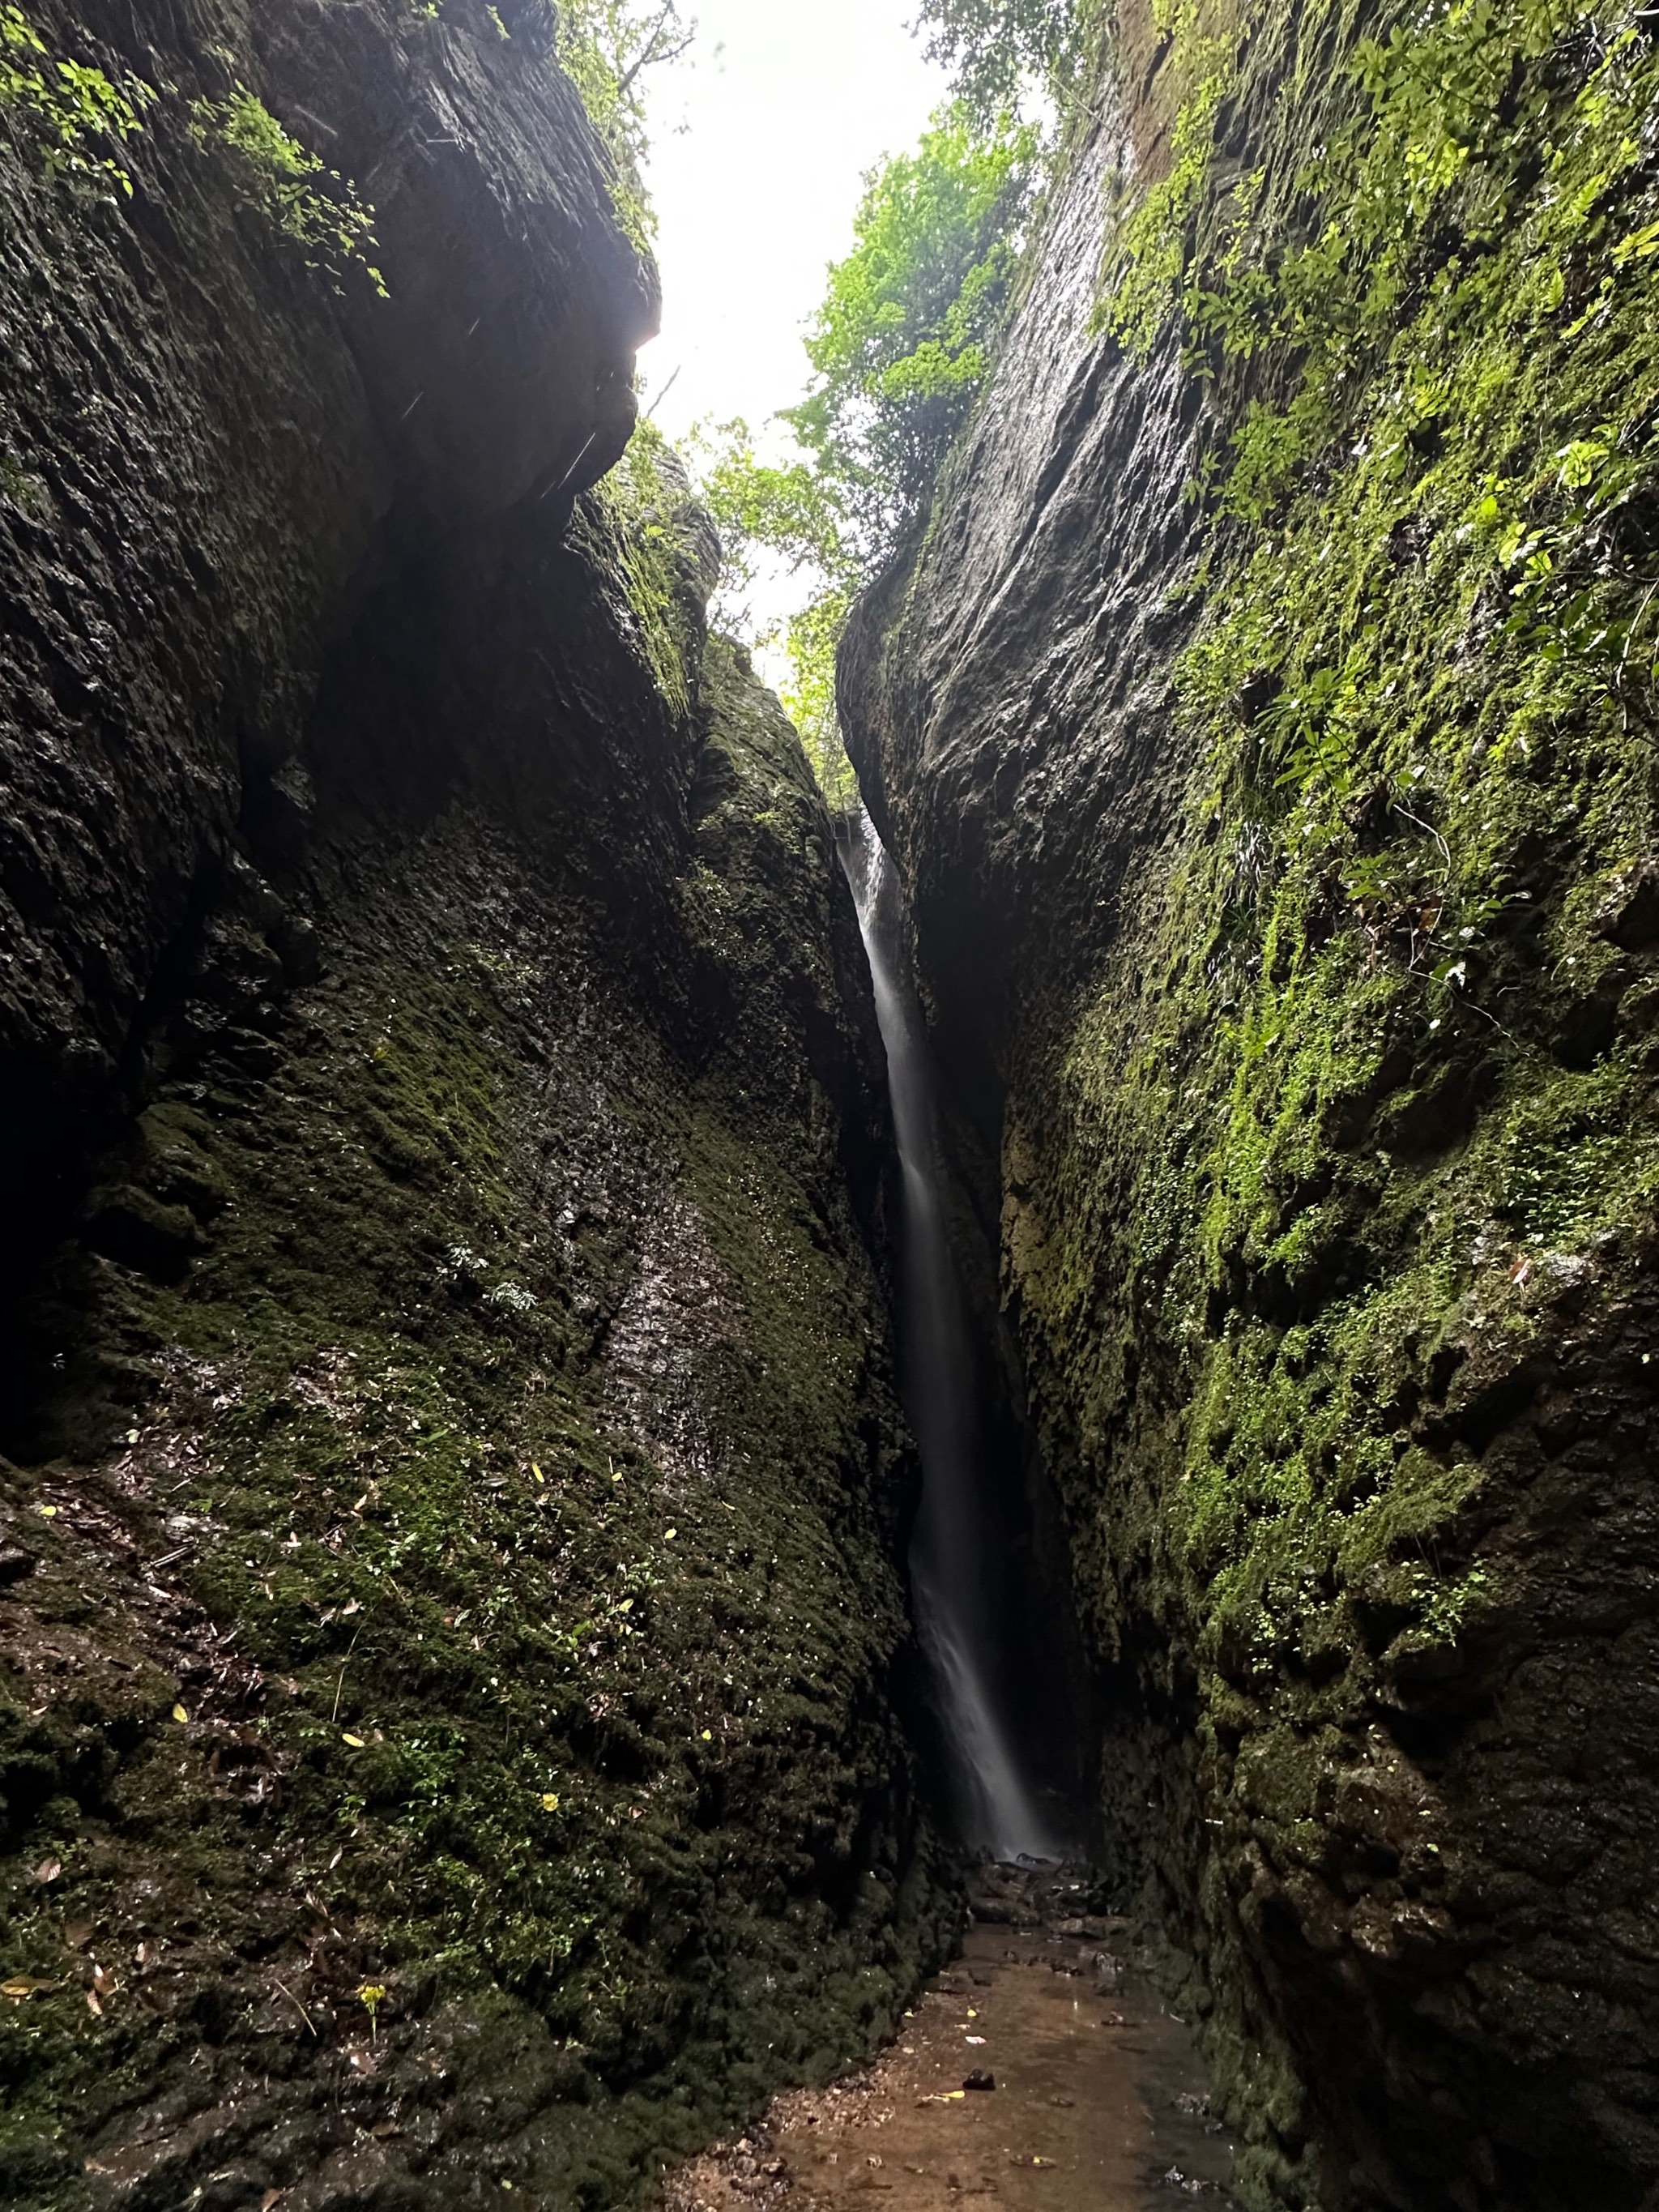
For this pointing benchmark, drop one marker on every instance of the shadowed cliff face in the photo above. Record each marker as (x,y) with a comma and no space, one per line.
(1304,1055)
(1018,748)
(450,1618)
(209,421)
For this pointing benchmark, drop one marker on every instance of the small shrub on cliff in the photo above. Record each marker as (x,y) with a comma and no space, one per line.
(608,47)
(69,105)
(316,207)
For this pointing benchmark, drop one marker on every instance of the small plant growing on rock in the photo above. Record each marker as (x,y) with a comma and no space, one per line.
(67,103)
(316,207)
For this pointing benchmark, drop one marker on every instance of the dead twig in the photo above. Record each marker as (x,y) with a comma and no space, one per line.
(340,1686)
(297,2006)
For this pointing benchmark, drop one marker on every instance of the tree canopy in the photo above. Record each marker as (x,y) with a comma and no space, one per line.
(996,50)
(899,348)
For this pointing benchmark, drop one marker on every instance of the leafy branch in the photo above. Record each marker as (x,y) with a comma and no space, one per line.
(608,47)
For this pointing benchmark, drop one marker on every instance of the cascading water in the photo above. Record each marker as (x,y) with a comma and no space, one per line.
(954,1571)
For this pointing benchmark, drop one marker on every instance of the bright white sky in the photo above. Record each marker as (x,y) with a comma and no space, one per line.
(785,104)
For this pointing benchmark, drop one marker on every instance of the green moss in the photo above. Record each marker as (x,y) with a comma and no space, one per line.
(1150,244)
(442,1470)
(1381,1028)
(1363,1107)
(641,498)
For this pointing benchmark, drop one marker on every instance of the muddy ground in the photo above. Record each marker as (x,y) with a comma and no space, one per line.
(1097,2102)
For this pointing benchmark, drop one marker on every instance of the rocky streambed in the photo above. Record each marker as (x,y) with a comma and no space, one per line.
(1042,2070)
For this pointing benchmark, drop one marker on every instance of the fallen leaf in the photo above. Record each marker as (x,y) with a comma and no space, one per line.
(271,2196)
(355,1742)
(48,1869)
(78,1934)
(669,1535)
(550,1800)
(181,1716)
(47,1512)
(709,1736)
(21,1986)
(93,2005)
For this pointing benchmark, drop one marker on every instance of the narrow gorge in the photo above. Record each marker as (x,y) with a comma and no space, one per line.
(625,1363)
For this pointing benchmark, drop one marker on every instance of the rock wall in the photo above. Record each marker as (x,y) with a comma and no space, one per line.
(1264,721)
(451,1621)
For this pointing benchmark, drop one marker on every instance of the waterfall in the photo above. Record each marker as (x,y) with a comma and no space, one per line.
(954,1567)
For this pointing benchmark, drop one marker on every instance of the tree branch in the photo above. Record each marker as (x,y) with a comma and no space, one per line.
(653,49)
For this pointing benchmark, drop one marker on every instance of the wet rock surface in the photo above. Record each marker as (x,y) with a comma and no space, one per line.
(210,426)
(1353,1440)
(451,1627)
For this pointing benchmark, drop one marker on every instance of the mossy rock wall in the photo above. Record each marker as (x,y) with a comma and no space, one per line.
(1266,725)
(451,1629)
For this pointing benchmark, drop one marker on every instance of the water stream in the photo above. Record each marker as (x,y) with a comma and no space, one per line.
(956,1576)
